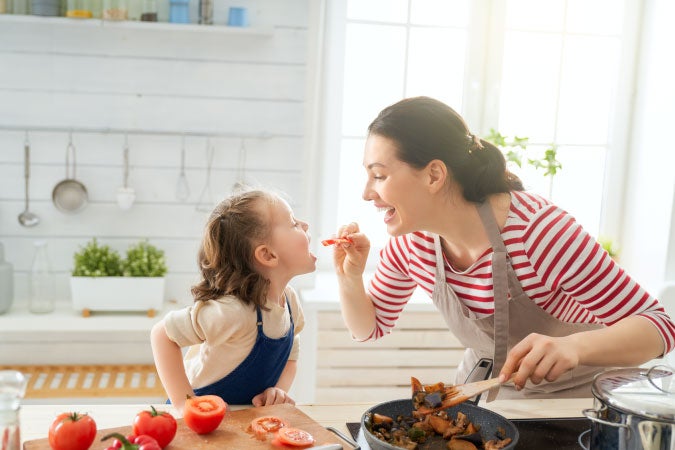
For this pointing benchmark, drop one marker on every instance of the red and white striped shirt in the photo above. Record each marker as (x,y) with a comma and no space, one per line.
(560,267)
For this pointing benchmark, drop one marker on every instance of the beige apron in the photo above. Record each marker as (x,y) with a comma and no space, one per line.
(515,317)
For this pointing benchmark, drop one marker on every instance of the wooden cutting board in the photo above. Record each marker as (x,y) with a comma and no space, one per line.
(231,433)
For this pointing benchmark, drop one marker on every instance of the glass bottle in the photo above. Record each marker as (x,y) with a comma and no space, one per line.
(179,11)
(115,10)
(6,282)
(19,6)
(12,390)
(80,9)
(149,11)
(41,281)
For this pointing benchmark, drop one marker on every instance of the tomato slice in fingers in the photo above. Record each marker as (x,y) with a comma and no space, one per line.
(295,437)
(333,241)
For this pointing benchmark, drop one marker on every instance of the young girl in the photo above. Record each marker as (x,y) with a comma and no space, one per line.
(243,324)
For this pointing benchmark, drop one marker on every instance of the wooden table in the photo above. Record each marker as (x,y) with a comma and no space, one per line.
(35,419)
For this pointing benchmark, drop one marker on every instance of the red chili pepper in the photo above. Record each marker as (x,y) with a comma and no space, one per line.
(333,241)
(132,442)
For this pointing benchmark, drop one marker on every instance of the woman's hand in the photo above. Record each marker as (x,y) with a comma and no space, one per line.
(538,358)
(350,259)
(272,396)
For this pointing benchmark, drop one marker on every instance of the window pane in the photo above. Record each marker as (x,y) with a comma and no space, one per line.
(395,11)
(587,88)
(436,64)
(535,15)
(529,85)
(440,12)
(374,73)
(582,176)
(351,206)
(595,16)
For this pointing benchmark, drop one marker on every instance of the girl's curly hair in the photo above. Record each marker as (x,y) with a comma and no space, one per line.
(226,261)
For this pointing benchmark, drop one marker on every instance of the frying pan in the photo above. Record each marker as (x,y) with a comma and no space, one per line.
(69,195)
(489,422)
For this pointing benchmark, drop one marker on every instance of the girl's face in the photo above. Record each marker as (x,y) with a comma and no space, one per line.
(290,240)
(395,187)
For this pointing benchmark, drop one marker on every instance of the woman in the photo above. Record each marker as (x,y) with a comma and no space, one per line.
(516,278)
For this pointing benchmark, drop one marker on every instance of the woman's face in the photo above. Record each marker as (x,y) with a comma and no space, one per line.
(395,188)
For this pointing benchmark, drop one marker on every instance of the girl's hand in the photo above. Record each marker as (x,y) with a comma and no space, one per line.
(272,396)
(538,358)
(350,259)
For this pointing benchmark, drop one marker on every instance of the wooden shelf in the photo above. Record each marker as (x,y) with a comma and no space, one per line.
(137,25)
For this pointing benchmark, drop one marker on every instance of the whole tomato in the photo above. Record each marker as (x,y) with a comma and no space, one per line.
(203,414)
(158,424)
(72,431)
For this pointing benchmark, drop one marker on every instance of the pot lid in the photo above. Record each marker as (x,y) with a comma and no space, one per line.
(648,392)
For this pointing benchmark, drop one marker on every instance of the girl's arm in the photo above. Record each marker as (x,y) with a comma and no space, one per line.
(279,393)
(170,368)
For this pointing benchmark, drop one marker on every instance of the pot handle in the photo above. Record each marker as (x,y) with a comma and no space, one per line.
(665,375)
(592,415)
(580,440)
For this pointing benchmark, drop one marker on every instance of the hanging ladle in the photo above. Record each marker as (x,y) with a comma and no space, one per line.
(182,187)
(27,218)
(205,202)
(125,194)
(240,183)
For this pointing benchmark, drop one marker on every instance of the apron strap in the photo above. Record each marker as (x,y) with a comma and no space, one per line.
(500,291)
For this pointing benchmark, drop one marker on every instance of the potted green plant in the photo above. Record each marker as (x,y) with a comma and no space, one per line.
(515,150)
(103,281)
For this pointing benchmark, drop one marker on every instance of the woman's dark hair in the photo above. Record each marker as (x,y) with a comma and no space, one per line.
(425,129)
(226,260)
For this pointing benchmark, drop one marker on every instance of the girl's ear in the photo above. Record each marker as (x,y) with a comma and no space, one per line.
(438,173)
(265,256)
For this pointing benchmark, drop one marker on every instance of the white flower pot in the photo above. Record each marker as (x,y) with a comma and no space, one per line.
(117,294)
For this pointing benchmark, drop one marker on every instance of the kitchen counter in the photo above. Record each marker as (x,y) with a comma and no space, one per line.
(35,419)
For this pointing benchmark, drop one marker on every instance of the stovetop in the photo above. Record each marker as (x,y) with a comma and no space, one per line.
(535,434)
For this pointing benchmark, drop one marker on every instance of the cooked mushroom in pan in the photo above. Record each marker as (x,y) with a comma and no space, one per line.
(408,432)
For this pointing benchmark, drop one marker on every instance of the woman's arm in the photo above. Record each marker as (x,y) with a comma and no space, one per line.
(629,342)
(170,368)
(358,311)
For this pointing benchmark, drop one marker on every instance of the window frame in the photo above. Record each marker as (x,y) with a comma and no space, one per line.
(480,106)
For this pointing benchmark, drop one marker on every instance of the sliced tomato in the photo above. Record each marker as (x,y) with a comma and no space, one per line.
(267,424)
(295,437)
(333,241)
(203,413)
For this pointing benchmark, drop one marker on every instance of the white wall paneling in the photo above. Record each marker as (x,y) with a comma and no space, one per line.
(157,85)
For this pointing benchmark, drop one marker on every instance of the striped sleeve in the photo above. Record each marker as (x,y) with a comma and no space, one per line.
(567,258)
(391,287)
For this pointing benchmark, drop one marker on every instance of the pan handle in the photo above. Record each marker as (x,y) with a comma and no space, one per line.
(344,437)
(481,371)
(70,148)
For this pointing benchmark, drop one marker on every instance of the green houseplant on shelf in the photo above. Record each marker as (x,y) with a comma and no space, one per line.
(104,281)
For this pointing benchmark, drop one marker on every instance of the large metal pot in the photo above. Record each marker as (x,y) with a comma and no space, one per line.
(634,409)
(489,421)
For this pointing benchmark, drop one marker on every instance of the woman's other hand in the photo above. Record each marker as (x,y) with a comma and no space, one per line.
(350,259)
(272,396)
(539,358)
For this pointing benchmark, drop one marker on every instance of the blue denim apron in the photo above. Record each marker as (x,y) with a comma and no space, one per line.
(260,370)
